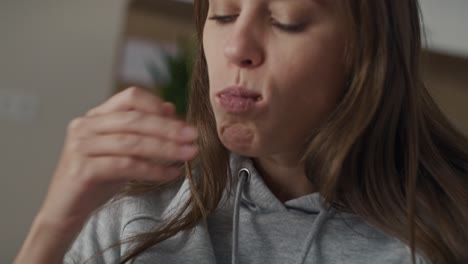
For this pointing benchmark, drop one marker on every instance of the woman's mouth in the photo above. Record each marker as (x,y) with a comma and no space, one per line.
(238,100)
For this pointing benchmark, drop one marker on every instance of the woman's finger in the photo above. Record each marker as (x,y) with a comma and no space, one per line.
(131,168)
(148,148)
(168,110)
(138,123)
(130,99)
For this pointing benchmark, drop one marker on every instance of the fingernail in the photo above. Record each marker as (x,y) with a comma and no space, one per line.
(189,132)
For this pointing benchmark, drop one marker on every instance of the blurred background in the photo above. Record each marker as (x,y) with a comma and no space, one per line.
(60,58)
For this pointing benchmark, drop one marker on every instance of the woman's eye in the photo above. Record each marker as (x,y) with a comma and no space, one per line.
(293,28)
(223,19)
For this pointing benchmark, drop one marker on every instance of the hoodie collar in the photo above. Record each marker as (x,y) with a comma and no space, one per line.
(257,196)
(252,192)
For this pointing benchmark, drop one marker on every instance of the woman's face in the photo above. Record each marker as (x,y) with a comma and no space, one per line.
(276,71)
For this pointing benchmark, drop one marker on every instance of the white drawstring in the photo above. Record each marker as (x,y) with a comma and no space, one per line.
(243,176)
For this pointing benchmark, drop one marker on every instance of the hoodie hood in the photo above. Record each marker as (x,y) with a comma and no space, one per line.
(252,194)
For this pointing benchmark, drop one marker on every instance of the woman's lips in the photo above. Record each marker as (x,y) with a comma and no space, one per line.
(238,100)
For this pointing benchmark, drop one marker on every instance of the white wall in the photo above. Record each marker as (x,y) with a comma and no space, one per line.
(56,61)
(446,24)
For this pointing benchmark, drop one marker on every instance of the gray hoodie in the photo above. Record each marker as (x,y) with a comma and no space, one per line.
(250,226)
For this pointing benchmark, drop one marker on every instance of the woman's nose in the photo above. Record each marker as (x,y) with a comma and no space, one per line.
(243,49)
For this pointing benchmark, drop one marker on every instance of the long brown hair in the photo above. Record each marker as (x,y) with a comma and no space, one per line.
(386,153)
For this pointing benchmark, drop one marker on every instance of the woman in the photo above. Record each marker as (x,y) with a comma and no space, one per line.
(311,140)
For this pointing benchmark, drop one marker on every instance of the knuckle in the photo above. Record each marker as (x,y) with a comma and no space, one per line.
(173,133)
(75,124)
(132,93)
(170,149)
(173,130)
(123,163)
(130,142)
(75,146)
(134,117)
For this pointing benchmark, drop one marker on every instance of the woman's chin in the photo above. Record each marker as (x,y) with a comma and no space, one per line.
(238,138)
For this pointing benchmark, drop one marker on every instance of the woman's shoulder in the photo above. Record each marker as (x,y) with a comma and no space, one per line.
(119,219)
(153,203)
(354,234)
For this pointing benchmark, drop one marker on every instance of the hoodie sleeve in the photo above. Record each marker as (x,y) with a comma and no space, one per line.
(94,242)
(99,241)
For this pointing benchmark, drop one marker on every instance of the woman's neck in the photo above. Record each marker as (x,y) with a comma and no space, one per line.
(284,176)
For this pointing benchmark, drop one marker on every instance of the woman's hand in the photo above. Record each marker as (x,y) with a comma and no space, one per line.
(129,137)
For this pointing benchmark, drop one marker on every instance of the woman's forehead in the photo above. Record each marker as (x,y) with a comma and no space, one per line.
(323,4)
(320,2)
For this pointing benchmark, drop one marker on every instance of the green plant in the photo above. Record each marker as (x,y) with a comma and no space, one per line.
(179,67)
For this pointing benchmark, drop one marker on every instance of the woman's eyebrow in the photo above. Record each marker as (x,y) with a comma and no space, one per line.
(317,2)
(320,2)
